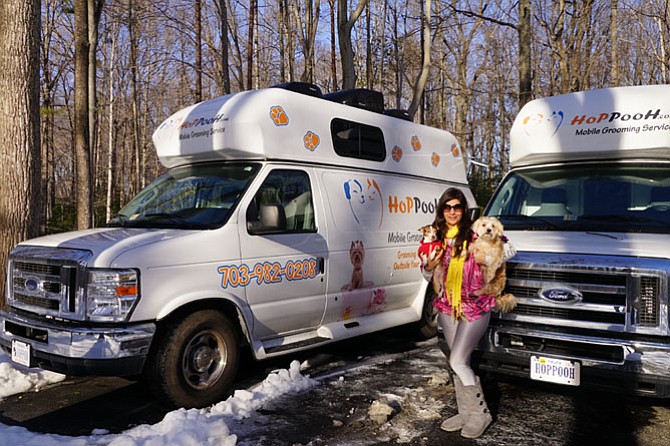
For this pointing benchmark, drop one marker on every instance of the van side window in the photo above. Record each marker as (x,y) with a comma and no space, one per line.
(283,204)
(356,140)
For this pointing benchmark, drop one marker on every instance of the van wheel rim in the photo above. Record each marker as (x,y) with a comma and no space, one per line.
(204,359)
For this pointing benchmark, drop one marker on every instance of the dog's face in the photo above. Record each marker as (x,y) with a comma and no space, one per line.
(488,228)
(357,253)
(429,233)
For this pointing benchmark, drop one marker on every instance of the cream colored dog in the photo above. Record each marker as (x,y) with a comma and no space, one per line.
(489,252)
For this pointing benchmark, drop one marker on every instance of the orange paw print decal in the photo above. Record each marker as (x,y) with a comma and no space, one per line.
(416,143)
(435,159)
(396,153)
(455,150)
(278,115)
(311,140)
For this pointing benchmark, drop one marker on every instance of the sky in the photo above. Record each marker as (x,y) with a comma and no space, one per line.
(185,427)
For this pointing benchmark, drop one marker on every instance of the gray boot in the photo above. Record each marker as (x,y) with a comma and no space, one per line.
(457,421)
(476,411)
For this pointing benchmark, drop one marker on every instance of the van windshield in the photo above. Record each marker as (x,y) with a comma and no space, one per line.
(188,197)
(601,197)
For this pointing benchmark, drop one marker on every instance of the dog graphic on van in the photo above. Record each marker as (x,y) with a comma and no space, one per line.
(539,123)
(357,257)
(365,202)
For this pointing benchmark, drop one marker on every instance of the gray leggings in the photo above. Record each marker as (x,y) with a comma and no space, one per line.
(462,337)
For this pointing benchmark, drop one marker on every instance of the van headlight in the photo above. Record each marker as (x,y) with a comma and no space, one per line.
(111,294)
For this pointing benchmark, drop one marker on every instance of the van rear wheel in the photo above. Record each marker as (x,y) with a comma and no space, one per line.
(194,360)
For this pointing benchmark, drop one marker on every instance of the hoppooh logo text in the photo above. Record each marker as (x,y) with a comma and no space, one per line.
(408,205)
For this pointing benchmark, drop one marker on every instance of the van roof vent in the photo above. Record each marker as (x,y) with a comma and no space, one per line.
(398,113)
(301,87)
(360,98)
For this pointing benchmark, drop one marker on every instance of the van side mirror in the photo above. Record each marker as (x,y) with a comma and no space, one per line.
(271,218)
(475,213)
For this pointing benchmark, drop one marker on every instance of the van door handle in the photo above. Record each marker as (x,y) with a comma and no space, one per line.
(322,264)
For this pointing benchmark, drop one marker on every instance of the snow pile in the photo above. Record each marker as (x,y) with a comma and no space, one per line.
(182,427)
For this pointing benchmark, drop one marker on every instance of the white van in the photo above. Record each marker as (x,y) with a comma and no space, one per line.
(587,205)
(287,219)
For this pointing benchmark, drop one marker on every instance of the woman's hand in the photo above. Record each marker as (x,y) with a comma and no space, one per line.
(434,258)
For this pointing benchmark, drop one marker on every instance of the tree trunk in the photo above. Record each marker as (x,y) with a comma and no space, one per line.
(20,151)
(225,70)
(198,50)
(525,72)
(94,12)
(81,127)
(333,53)
(425,57)
(110,152)
(250,44)
(345,24)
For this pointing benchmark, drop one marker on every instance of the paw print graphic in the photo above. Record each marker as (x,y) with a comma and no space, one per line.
(278,115)
(435,159)
(396,153)
(311,140)
(455,150)
(416,143)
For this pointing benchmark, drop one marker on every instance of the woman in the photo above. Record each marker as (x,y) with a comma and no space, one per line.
(463,316)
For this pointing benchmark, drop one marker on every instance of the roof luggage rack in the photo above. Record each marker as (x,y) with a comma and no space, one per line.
(301,87)
(359,97)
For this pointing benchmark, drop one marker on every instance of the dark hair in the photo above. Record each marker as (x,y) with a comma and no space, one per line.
(463,226)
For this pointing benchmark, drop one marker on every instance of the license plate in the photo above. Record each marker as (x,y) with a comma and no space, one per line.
(21,352)
(554,370)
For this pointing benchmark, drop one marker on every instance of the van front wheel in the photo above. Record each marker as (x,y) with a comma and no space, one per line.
(194,360)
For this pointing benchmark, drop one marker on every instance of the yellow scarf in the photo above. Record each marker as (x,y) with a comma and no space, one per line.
(454,279)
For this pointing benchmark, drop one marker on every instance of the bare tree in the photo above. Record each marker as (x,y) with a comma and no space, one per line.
(308,35)
(345,24)
(81,123)
(425,60)
(20,152)
(222,10)
(198,50)
(525,72)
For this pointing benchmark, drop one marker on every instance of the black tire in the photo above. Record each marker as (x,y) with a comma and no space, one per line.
(194,360)
(426,327)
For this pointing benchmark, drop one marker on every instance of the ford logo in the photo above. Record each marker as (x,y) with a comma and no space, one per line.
(560,295)
(31,285)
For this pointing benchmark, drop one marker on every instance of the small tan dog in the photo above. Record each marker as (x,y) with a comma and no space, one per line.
(489,253)
(430,253)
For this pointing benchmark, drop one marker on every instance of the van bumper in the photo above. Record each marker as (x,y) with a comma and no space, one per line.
(79,350)
(628,366)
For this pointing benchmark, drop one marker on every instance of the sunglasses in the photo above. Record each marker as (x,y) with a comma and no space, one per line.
(457,207)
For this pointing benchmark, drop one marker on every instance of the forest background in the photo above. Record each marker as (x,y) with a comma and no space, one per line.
(83,83)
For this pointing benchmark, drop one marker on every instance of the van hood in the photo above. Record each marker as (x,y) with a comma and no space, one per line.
(596,243)
(107,243)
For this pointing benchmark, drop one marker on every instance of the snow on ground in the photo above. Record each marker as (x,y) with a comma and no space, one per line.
(180,427)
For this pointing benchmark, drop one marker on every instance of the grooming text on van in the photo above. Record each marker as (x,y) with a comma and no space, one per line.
(617,118)
(619,122)
(267,272)
(406,260)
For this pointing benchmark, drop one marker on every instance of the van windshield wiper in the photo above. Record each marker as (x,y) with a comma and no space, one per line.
(120,220)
